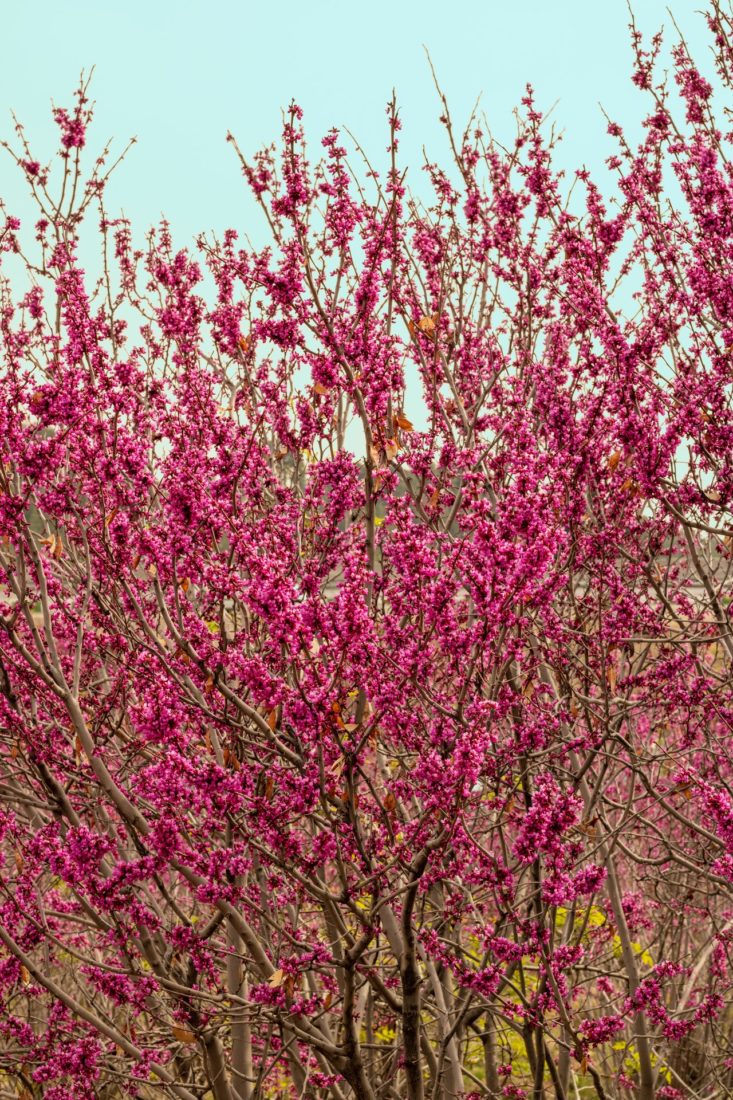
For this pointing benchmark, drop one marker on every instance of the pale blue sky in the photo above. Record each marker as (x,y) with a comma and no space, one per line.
(178,75)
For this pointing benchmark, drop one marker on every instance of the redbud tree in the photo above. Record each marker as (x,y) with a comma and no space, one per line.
(365,645)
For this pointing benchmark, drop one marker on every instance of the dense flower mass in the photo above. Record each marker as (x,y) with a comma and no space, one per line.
(365,639)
